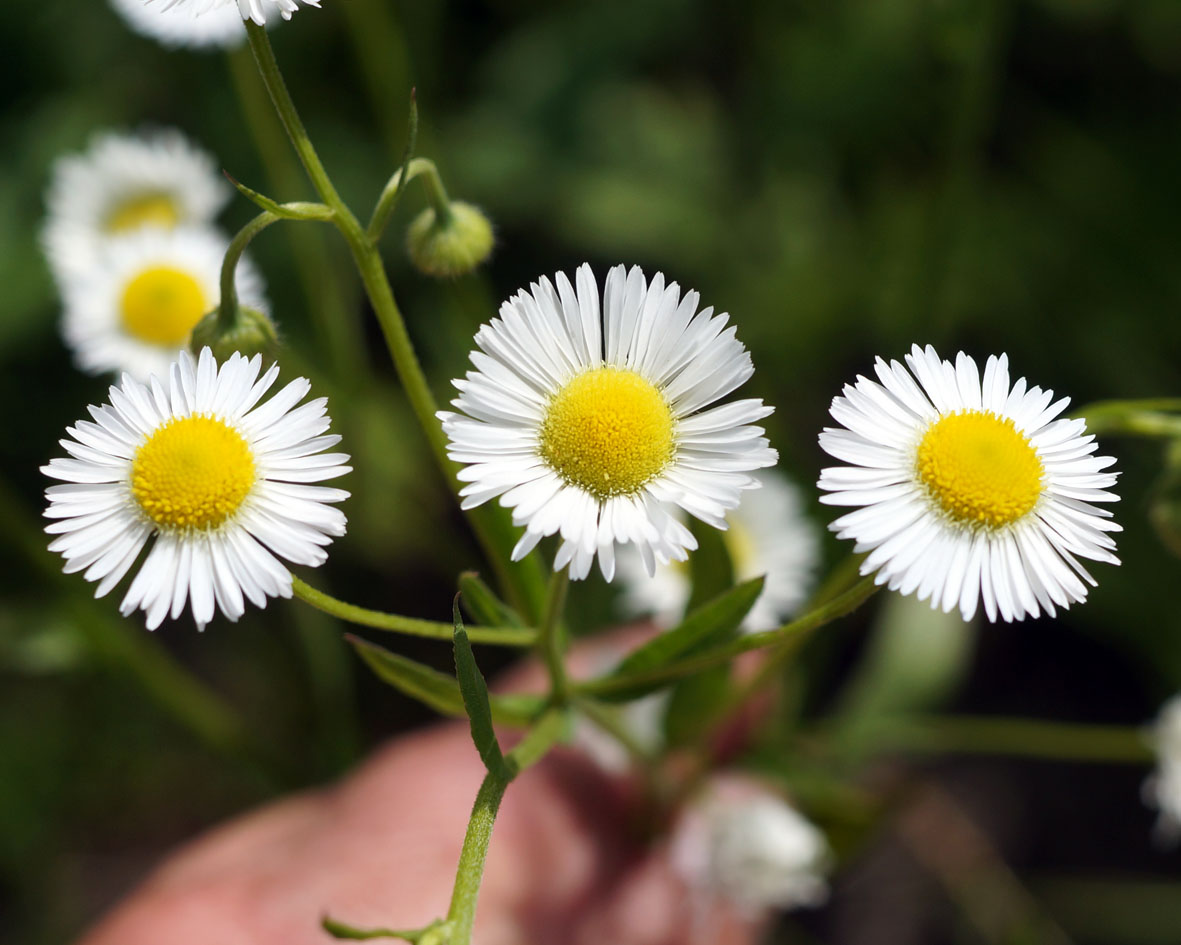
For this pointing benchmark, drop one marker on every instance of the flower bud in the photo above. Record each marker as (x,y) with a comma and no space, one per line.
(252,333)
(450,246)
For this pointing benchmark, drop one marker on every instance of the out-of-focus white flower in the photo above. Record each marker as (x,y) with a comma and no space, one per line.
(744,843)
(643,721)
(768,535)
(219,28)
(136,310)
(123,183)
(220,485)
(1162,789)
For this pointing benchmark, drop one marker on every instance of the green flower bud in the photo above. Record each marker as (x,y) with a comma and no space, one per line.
(252,333)
(450,246)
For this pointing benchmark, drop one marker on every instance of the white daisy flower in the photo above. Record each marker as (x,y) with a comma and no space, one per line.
(220,484)
(744,843)
(219,28)
(768,535)
(256,10)
(122,183)
(593,423)
(968,488)
(136,310)
(1162,789)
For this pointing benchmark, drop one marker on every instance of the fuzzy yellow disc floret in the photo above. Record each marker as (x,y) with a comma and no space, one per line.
(193,472)
(609,431)
(980,468)
(161,305)
(144,210)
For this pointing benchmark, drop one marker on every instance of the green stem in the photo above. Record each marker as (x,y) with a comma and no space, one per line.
(379,620)
(523,581)
(551,638)
(607,719)
(470,872)
(1031,738)
(330,305)
(418,168)
(227,313)
(1133,417)
(785,636)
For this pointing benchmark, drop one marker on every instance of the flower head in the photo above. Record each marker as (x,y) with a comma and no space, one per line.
(120,184)
(136,309)
(593,423)
(746,844)
(220,483)
(968,488)
(1162,790)
(450,247)
(219,28)
(768,535)
(256,10)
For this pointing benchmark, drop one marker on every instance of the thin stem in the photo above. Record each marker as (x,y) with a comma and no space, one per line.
(1133,417)
(418,168)
(227,313)
(1030,738)
(605,718)
(331,308)
(838,607)
(470,872)
(551,638)
(379,620)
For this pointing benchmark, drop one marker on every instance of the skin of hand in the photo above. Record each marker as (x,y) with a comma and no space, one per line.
(380,848)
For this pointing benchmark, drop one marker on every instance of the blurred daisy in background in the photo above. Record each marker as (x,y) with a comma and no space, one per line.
(136,311)
(768,535)
(593,422)
(1162,790)
(256,10)
(968,489)
(182,26)
(742,842)
(221,484)
(123,183)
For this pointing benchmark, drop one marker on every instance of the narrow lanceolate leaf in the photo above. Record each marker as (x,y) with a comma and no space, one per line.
(710,624)
(475,699)
(438,690)
(288,211)
(483,604)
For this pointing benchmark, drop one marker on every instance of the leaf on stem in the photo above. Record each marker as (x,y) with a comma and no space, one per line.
(287,211)
(438,690)
(347,932)
(475,699)
(710,624)
(483,604)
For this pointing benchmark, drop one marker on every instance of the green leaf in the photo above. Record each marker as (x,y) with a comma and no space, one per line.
(475,699)
(695,705)
(483,604)
(339,930)
(438,690)
(705,627)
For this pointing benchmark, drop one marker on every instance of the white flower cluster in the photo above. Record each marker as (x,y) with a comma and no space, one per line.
(131,242)
(746,845)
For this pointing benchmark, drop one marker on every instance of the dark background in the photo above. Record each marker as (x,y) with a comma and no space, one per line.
(846,178)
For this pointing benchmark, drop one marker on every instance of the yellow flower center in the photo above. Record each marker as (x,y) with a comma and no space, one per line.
(980,469)
(161,305)
(608,431)
(143,210)
(193,472)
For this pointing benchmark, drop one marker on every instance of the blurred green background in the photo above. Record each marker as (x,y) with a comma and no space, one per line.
(845,177)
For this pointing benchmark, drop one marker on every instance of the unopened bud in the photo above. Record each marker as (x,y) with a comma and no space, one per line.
(450,246)
(252,333)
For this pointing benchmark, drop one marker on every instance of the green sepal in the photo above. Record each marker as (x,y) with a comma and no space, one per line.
(475,699)
(707,626)
(288,211)
(483,604)
(438,690)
